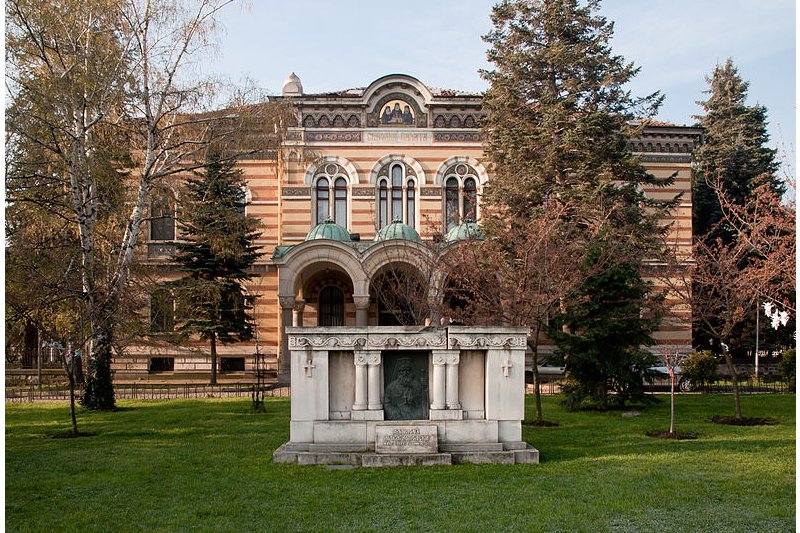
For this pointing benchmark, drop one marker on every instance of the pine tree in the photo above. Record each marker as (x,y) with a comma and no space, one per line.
(216,253)
(558,124)
(732,159)
(734,151)
(603,332)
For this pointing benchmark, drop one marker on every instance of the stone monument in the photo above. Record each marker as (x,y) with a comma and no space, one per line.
(389,396)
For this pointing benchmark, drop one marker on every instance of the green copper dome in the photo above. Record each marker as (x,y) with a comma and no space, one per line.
(466,230)
(398,230)
(329,230)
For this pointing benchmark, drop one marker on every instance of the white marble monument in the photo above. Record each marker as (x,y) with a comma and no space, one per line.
(386,396)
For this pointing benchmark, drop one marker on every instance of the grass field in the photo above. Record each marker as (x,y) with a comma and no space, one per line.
(205,465)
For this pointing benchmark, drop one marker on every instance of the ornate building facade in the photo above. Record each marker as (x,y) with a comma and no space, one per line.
(366,179)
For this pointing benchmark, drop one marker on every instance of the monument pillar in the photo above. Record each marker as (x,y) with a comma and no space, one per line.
(362,309)
(284,361)
(453,360)
(360,360)
(297,312)
(439,383)
(374,386)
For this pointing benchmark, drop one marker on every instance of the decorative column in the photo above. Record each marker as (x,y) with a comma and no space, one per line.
(374,387)
(362,309)
(284,361)
(360,360)
(297,316)
(368,403)
(453,360)
(439,367)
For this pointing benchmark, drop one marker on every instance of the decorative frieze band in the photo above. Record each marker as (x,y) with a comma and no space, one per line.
(479,342)
(332,136)
(294,192)
(458,136)
(435,339)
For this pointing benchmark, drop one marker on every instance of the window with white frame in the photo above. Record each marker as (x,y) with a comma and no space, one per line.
(330,194)
(397,194)
(460,185)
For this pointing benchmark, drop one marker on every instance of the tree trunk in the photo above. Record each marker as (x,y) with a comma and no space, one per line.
(737,408)
(671,400)
(98,394)
(537,395)
(213,345)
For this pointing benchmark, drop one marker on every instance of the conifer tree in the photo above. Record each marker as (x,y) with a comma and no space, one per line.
(217,251)
(559,119)
(734,151)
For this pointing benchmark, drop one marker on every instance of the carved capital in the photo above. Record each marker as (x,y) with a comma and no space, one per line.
(298,305)
(361,302)
(360,359)
(287,302)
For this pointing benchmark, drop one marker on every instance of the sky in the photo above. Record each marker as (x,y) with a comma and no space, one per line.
(340,44)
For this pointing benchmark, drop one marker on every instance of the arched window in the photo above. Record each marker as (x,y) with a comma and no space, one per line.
(460,195)
(323,202)
(396,195)
(331,307)
(451,203)
(470,199)
(411,208)
(162,217)
(330,194)
(397,190)
(340,198)
(383,204)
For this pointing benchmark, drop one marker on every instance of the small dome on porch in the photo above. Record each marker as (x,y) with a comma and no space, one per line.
(329,230)
(464,231)
(398,230)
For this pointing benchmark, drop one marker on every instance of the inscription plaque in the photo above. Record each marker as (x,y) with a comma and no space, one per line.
(405,439)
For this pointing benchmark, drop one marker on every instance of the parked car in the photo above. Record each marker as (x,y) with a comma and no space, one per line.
(684,385)
(548,371)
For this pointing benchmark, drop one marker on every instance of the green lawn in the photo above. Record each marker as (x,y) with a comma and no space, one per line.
(194,465)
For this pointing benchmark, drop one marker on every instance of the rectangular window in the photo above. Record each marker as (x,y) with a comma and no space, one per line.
(162,364)
(231,364)
(162,312)
(162,219)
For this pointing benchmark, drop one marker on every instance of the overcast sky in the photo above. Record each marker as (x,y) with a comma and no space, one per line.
(338,44)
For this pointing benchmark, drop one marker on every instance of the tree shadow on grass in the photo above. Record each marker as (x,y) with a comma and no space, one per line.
(675,435)
(745,420)
(69,434)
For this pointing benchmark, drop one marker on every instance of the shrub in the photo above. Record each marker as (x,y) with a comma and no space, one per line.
(786,366)
(700,368)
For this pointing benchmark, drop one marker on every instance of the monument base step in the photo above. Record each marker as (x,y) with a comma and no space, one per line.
(478,447)
(350,454)
(377,460)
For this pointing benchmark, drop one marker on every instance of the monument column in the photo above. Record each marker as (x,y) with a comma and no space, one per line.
(453,360)
(362,309)
(439,366)
(360,360)
(297,318)
(284,362)
(374,387)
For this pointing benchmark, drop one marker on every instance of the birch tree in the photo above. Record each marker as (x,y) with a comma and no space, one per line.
(121,67)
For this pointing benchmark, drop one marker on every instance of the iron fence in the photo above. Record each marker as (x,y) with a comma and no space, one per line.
(147,391)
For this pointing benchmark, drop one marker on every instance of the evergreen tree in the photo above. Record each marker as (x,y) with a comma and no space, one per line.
(734,151)
(731,159)
(216,253)
(559,119)
(603,331)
